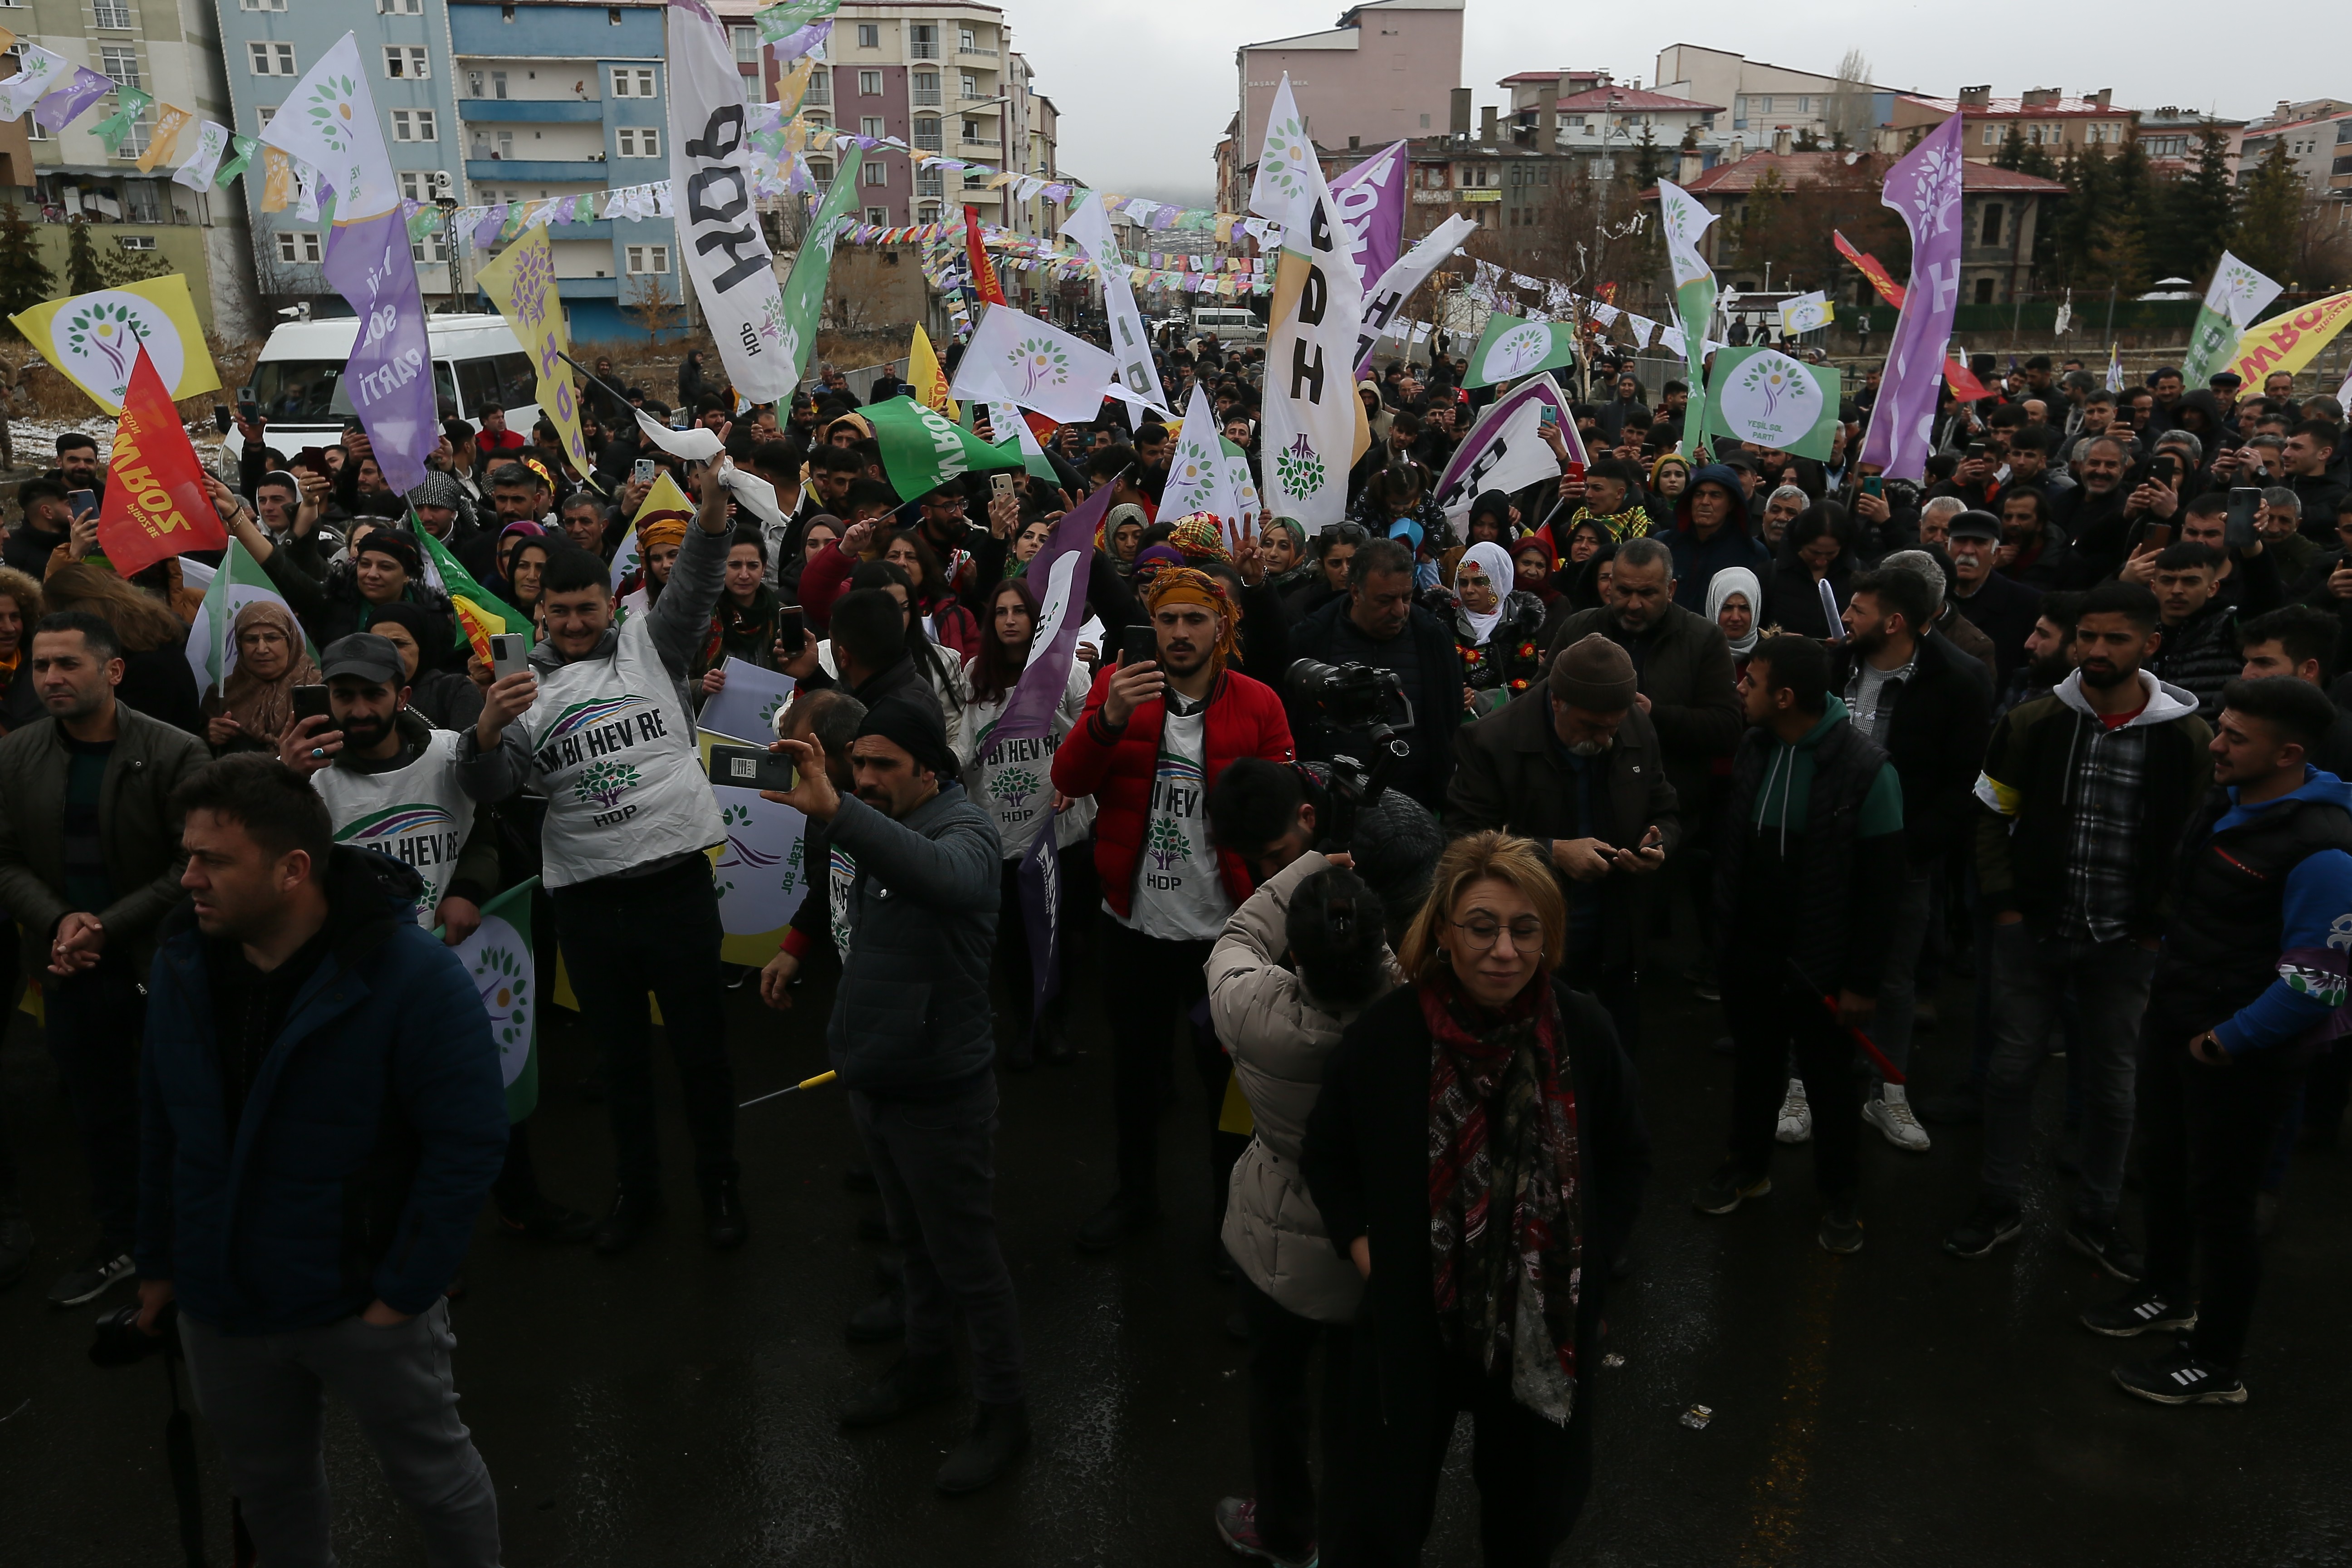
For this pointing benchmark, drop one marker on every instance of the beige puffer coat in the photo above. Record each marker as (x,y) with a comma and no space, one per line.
(1280,1039)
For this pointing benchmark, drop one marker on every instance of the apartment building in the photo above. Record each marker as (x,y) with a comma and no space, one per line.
(556,97)
(159,49)
(2317,136)
(1767,101)
(936,77)
(2043,117)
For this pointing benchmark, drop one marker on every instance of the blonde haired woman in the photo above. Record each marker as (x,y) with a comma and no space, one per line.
(1478,1153)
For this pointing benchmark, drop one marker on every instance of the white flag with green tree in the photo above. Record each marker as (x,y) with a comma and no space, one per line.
(1513,347)
(1682,219)
(498,960)
(2234,301)
(237,582)
(1764,398)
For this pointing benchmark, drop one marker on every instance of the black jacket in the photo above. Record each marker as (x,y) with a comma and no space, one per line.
(2004,610)
(1366,1161)
(2093,528)
(1435,694)
(1936,740)
(1685,670)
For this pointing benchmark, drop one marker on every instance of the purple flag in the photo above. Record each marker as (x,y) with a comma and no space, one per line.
(1924,185)
(1040,879)
(1505,450)
(60,109)
(1371,207)
(1059,574)
(389,376)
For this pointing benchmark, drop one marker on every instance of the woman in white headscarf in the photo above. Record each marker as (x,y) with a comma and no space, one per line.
(1734,597)
(1497,629)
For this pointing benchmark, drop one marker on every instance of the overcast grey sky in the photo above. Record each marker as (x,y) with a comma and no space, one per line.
(1145,91)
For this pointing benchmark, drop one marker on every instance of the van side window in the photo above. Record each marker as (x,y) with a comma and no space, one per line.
(477,382)
(518,381)
(445,387)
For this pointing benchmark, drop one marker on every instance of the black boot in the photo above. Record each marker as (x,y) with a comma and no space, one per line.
(914,1383)
(631,1213)
(878,1322)
(1116,1221)
(1000,1434)
(547,1220)
(723,1212)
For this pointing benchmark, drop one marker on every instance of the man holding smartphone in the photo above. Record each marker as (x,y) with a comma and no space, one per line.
(603,725)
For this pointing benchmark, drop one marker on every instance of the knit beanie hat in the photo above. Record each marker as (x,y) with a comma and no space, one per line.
(1594,674)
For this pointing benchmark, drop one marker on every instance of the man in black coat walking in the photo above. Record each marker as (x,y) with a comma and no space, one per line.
(1378,623)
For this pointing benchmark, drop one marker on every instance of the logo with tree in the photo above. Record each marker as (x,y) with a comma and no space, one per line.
(604,783)
(1168,843)
(1283,165)
(1771,400)
(1300,470)
(1519,351)
(503,979)
(1041,363)
(96,338)
(769,708)
(1014,785)
(330,112)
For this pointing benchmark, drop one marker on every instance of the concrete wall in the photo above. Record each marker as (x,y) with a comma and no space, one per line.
(1397,81)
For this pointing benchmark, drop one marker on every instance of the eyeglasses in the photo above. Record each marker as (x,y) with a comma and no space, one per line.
(1480,933)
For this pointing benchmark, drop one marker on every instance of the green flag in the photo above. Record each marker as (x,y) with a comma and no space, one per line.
(442,570)
(498,959)
(922,449)
(241,150)
(129,103)
(778,23)
(1513,347)
(237,582)
(805,286)
(1764,398)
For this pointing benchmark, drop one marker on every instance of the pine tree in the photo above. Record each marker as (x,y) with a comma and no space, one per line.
(81,259)
(2270,214)
(25,279)
(1649,161)
(2192,219)
(2013,149)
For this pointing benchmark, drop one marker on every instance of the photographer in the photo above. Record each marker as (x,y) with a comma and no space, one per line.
(1379,625)
(323,1115)
(1270,814)
(1155,738)
(913,1039)
(610,742)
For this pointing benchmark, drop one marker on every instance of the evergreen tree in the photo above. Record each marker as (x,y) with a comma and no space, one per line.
(2192,219)
(2013,149)
(81,259)
(2270,214)
(25,279)
(1648,162)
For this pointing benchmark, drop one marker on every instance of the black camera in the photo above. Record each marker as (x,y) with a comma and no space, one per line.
(119,1341)
(1364,706)
(1350,696)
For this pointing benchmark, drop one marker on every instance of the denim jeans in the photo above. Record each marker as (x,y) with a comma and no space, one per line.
(2032,972)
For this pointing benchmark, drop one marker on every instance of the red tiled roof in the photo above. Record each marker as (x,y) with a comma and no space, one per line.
(1738,179)
(1565,71)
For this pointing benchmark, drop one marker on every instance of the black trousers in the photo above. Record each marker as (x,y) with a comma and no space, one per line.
(1617,988)
(1013,970)
(1281,1347)
(1150,987)
(2205,1134)
(623,937)
(95,1022)
(1532,1476)
(1769,1019)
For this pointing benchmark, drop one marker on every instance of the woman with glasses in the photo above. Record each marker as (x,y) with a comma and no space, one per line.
(1478,1154)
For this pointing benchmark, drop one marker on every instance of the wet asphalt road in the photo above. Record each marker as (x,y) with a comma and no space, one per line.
(675,1406)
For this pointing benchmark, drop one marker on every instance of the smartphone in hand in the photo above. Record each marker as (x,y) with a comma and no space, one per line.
(309,703)
(510,655)
(751,767)
(1139,645)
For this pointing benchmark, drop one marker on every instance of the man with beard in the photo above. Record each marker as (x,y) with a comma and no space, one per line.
(2088,790)
(390,782)
(2031,551)
(2049,652)
(1997,605)
(2091,515)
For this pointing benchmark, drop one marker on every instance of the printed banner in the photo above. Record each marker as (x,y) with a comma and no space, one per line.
(1371,201)
(747,705)
(1088,227)
(2236,296)
(1505,449)
(1064,568)
(499,958)
(155,503)
(1764,398)
(804,295)
(1019,359)
(1924,185)
(91,339)
(2290,341)
(1314,422)
(1399,280)
(923,449)
(1512,347)
(389,377)
(521,281)
(719,233)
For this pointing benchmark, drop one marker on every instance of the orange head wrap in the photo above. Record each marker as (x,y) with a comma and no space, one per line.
(1184,585)
(661,528)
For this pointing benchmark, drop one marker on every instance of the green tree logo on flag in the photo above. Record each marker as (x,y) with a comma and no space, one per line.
(1043,363)
(605,783)
(1772,400)
(331,106)
(768,709)
(1192,466)
(1519,351)
(1168,843)
(1301,469)
(104,331)
(503,980)
(1012,787)
(1286,156)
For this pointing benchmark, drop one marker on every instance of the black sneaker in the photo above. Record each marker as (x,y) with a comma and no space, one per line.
(2102,1243)
(724,1224)
(2144,1311)
(16,1244)
(2180,1378)
(878,1322)
(99,1273)
(1728,1189)
(1991,1224)
(1840,1229)
(909,1385)
(1116,1221)
(1000,1434)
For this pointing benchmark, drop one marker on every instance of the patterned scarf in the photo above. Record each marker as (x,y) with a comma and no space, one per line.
(1506,1232)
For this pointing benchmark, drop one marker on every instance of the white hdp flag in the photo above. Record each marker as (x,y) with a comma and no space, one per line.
(1088,227)
(1013,358)
(1198,478)
(40,72)
(2235,298)
(196,174)
(719,238)
(329,121)
(1805,313)
(1406,274)
(1284,161)
(237,582)
(1315,427)
(1683,220)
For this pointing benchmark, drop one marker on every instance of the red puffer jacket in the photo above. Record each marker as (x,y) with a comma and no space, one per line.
(1117,767)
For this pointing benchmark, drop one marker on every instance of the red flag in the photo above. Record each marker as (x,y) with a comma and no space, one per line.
(1965,387)
(155,505)
(1872,267)
(984,275)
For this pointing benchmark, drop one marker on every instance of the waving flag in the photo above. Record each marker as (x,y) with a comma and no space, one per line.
(155,503)
(1924,185)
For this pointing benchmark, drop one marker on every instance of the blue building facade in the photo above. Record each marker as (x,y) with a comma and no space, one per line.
(404,50)
(558,99)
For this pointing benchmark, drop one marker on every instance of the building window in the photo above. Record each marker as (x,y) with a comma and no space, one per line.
(431,248)
(425,185)
(873,175)
(633,81)
(261,5)
(407,62)
(821,171)
(263,114)
(927,134)
(121,63)
(820,87)
(1990,234)
(497,84)
(647,260)
(1992,135)
(870,125)
(297,246)
(869,36)
(270,59)
(140,203)
(922,40)
(927,182)
(1984,290)
(971,84)
(817,120)
(877,215)
(967,40)
(927,89)
(640,141)
(746,44)
(413,125)
(929,213)
(869,84)
(1764,104)
(383,7)
(113,14)
(971,131)
(137,241)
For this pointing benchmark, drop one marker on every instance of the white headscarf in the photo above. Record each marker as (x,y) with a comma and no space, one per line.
(1496,563)
(1740,579)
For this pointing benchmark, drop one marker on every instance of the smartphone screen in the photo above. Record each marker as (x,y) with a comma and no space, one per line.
(792,629)
(1139,645)
(309,703)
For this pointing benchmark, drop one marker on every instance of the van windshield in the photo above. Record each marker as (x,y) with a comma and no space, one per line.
(298,389)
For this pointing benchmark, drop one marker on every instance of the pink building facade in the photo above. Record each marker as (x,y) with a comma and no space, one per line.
(1387,71)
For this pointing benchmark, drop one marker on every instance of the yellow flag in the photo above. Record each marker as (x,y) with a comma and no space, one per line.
(91,339)
(2290,340)
(521,281)
(794,84)
(169,122)
(277,179)
(929,381)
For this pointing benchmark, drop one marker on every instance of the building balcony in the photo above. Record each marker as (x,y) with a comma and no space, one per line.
(503,171)
(985,103)
(974,49)
(920,51)
(921,98)
(532,111)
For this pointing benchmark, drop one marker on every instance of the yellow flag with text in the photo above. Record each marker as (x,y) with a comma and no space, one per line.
(521,281)
(928,381)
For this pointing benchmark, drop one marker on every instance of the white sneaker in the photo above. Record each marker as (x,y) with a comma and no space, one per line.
(1890,1111)
(1796,1116)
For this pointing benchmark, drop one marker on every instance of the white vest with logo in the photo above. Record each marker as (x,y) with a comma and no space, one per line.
(417,814)
(618,763)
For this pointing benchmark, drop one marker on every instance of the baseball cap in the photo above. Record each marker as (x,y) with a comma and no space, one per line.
(367,656)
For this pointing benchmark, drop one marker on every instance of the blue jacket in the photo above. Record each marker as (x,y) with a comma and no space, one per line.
(373,1131)
(2315,927)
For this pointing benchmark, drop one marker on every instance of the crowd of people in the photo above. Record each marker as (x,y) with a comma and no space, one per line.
(1380,823)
